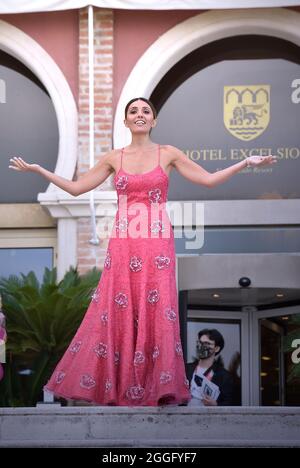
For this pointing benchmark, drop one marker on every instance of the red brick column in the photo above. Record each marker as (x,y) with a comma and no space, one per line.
(88,255)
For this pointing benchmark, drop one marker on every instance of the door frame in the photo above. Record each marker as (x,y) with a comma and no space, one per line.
(254,349)
(243,317)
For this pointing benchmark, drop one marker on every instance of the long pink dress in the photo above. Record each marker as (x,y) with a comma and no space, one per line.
(127,350)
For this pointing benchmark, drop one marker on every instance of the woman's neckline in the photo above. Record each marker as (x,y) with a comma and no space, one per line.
(127,150)
(142,173)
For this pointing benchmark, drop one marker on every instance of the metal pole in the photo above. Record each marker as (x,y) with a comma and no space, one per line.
(94,239)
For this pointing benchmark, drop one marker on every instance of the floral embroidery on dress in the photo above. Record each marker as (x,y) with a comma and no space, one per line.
(121,299)
(104,318)
(162,262)
(170,314)
(178,348)
(135,393)
(153,296)
(135,264)
(60,377)
(96,295)
(101,350)
(87,381)
(122,224)
(154,195)
(139,358)
(157,226)
(108,385)
(122,182)
(165,377)
(107,261)
(155,352)
(75,347)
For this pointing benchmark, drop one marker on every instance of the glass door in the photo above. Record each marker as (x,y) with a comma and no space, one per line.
(271,363)
(275,357)
(262,349)
(233,326)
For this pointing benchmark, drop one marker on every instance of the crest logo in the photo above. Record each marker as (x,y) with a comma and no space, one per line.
(246,110)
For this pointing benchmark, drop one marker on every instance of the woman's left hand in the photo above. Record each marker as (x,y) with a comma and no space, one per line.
(253,161)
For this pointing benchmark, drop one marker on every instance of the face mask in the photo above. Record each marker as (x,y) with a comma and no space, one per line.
(204,351)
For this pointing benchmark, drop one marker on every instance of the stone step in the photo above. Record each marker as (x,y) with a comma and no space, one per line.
(168,426)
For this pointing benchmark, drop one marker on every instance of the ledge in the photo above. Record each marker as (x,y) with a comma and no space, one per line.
(62,205)
(54,426)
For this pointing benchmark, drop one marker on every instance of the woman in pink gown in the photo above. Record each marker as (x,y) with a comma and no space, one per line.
(127,350)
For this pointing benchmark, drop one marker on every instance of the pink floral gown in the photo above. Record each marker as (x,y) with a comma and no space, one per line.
(127,350)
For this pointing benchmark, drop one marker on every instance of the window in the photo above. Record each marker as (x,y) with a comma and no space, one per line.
(28,128)
(25,250)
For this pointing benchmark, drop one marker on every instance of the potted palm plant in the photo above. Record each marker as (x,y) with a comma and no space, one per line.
(41,319)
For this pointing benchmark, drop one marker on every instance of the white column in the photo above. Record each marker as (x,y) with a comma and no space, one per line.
(66,245)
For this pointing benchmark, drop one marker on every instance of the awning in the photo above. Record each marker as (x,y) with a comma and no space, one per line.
(30,6)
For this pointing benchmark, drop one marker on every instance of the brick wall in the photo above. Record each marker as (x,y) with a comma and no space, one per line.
(88,255)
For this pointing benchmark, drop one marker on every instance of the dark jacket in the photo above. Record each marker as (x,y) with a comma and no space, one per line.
(221,377)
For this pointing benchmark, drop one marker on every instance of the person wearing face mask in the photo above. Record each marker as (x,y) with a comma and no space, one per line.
(210,383)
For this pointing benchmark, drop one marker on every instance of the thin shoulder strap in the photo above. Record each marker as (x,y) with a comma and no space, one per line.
(122,151)
(158,155)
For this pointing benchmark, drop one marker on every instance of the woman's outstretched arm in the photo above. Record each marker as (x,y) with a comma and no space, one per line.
(94,177)
(197,174)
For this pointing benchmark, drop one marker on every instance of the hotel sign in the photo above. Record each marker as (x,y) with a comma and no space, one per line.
(228,111)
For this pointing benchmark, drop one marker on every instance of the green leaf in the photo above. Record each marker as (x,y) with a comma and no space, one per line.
(41,321)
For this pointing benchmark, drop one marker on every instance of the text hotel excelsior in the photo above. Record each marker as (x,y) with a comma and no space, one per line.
(215,154)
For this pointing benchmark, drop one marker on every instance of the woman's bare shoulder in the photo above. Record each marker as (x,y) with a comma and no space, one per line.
(112,158)
(169,150)
(170,153)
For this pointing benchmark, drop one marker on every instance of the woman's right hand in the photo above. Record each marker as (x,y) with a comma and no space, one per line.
(20,165)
